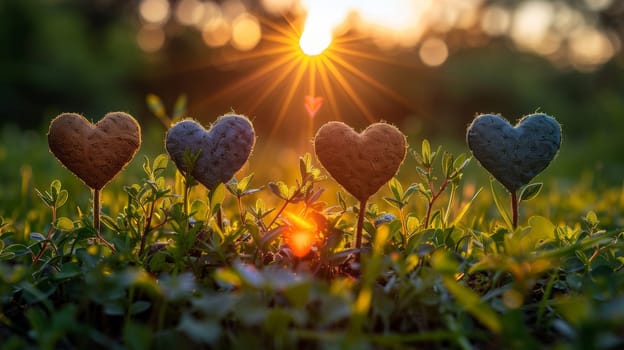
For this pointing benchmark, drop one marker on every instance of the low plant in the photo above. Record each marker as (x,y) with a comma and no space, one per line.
(239,262)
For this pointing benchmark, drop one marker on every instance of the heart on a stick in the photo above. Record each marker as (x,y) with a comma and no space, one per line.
(514,155)
(94,152)
(222,150)
(364,162)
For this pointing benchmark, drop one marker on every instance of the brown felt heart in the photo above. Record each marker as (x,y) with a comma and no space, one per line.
(361,163)
(94,152)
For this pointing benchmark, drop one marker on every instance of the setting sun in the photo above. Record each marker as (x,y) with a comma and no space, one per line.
(314,41)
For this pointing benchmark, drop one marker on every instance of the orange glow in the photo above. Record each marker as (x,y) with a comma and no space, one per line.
(302,234)
(300,223)
(301,242)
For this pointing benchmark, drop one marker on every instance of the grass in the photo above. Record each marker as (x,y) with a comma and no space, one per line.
(437,270)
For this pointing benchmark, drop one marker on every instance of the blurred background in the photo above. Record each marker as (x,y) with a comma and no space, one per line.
(428,66)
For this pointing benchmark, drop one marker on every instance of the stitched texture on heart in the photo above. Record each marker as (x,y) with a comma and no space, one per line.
(514,155)
(224,148)
(361,163)
(94,152)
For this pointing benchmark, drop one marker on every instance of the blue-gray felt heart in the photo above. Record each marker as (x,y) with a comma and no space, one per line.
(223,149)
(514,155)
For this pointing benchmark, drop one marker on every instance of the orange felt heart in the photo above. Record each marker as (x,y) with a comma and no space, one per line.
(94,152)
(313,104)
(364,162)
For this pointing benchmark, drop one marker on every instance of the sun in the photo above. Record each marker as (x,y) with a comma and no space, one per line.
(314,42)
(311,72)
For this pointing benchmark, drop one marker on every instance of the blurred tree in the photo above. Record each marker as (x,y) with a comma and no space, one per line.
(65,56)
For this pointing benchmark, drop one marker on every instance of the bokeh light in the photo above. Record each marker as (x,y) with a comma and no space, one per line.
(151,38)
(189,12)
(433,52)
(278,7)
(556,30)
(496,21)
(154,11)
(217,32)
(246,32)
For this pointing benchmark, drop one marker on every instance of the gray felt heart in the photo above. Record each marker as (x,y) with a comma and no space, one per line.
(223,149)
(514,155)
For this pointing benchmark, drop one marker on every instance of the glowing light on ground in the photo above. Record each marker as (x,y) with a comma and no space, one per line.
(301,236)
(301,242)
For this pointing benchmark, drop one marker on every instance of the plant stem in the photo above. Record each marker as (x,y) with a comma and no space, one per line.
(434,197)
(279,212)
(514,210)
(240,210)
(96,210)
(44,246)
(146,229)
(360,224)
(96,219)
(220,218)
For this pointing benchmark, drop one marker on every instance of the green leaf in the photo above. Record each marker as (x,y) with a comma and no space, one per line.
(341,201)
(530,191)
(160,162)
(410,191)
(64,223)
(447,164)
(275,189)
(396,188)
(243,184)
(412,223)
(469,300)
(202,331)
(139,306)
(271,235)
(216,198)
(393,202)
(542,230)
(68,270)
(283,189)
(155,105)
(592,219)
(501,210)
(137,336)
(61,198)
(179,108)
(298,294)
(426,152)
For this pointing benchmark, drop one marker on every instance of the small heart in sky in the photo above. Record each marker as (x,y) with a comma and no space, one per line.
(313,104)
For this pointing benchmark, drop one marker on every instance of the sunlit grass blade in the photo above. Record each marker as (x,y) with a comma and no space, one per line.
(464,209)
(501,209)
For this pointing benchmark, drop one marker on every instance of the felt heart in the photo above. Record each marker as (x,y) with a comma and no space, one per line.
(514,155)
(313,104)
(95,153)
(223,149)
(361,163)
